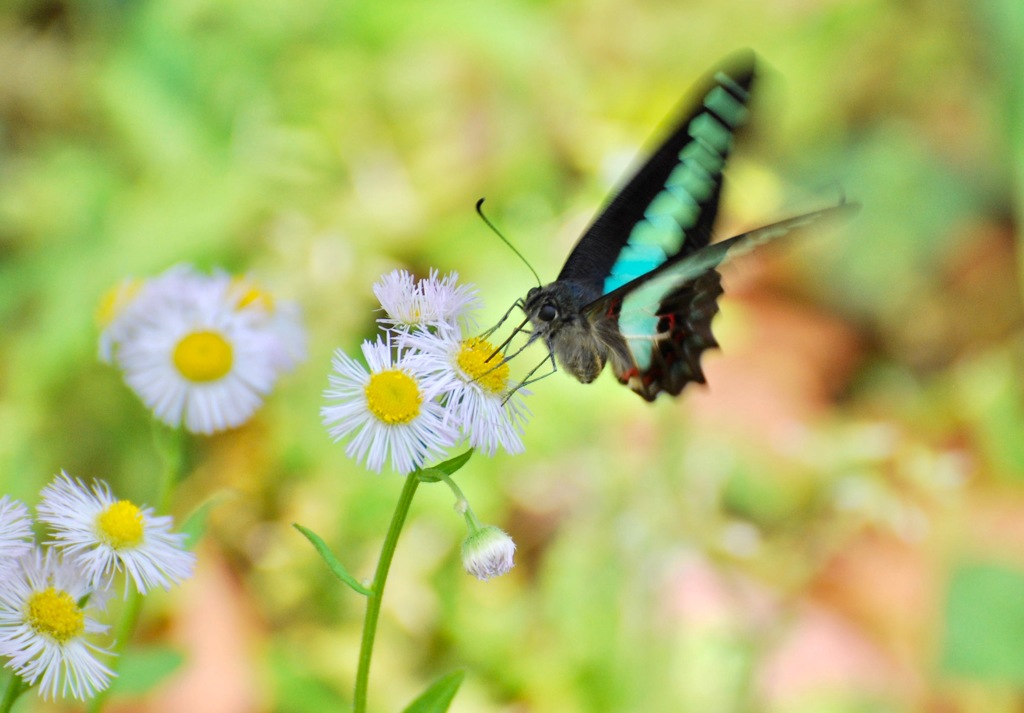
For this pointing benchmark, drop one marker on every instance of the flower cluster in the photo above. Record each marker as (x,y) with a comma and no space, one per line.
(51,593)
(426,384)
(202,351)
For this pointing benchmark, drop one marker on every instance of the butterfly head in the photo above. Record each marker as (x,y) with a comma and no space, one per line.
(549,308)
(544,305)
(557,316)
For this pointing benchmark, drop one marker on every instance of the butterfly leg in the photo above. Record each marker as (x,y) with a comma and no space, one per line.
(529,379)
(500,348)
(507,358)
(518,303)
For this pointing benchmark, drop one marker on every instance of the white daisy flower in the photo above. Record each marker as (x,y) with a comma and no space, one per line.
(452,303)
(132,299)
(488,552)
(479,399)
(400,298)
(430,302)
(387,409)
(103,535)
(199,362)
(197,348)
(45,632)
(15,532)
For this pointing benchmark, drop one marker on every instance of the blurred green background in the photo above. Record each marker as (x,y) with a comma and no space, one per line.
(835,524)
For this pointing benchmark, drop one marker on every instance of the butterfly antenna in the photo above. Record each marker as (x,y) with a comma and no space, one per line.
(480,212)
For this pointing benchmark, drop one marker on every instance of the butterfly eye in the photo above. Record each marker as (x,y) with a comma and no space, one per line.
(547,313)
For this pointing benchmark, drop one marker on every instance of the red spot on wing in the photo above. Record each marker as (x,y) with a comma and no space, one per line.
(614,305)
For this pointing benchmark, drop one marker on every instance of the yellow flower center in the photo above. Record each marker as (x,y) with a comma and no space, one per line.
(393,396)
(473,360)
(55,613)
(120,525)
(114,300)
(250,293)
(203,356)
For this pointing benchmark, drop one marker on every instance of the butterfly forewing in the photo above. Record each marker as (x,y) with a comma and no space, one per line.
(667,208)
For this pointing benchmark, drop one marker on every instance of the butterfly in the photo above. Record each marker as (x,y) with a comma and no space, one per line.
(640,288)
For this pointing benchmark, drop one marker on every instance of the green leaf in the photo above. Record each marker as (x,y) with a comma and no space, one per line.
(195,524)
(333,563)
(439,696)
(141,670)
(448,467)
(984,622)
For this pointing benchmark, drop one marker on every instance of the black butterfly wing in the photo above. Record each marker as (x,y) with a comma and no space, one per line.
(667,208)
(662,320)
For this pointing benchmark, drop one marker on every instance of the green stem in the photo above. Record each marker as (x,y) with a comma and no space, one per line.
(14,689)
(373,601)
(129,619)
(122,635)
(462,504)
(172,445)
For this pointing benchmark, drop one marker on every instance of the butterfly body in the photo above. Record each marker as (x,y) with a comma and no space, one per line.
(581,345)
(640,288)
(583,340)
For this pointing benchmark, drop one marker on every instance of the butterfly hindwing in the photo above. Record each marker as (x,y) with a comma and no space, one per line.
(667,208)
(664,317)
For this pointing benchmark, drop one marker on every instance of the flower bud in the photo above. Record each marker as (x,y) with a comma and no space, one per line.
(487,553)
